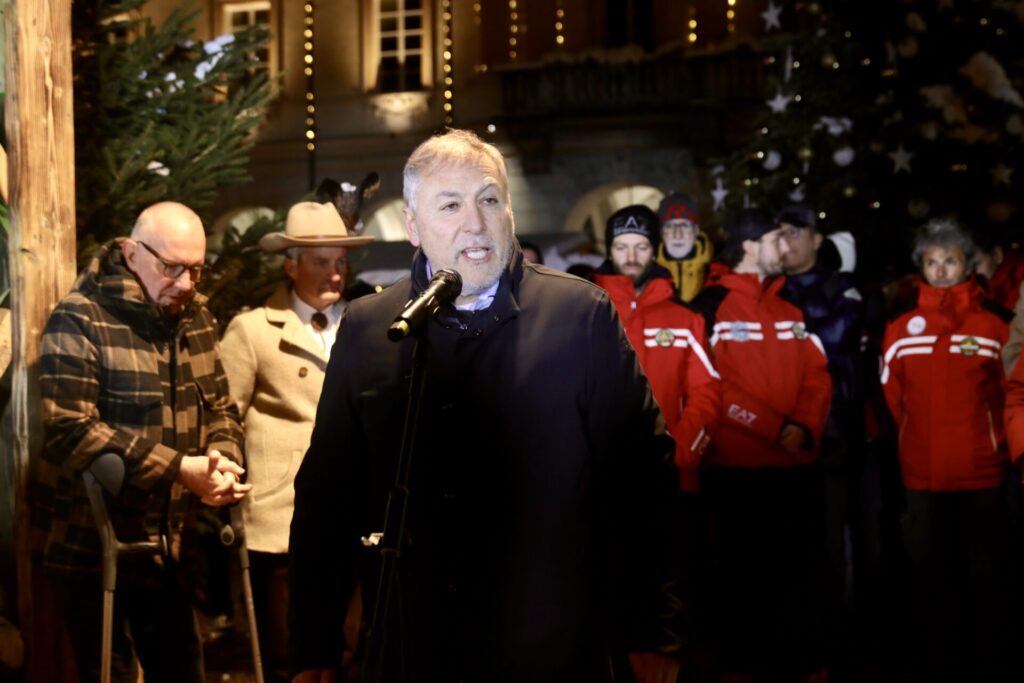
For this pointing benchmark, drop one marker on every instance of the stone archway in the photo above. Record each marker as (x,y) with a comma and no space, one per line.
(592,210)
(241,218)
(384,220)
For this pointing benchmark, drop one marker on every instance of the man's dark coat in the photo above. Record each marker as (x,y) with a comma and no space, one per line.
(542,483)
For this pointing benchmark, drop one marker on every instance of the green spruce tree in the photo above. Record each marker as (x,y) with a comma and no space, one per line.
(158,115)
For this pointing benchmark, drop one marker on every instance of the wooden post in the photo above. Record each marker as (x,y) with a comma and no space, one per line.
(41,174)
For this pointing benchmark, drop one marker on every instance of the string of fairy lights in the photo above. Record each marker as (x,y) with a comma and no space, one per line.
(559,23)
(447,66)
(307,69)
(513,29)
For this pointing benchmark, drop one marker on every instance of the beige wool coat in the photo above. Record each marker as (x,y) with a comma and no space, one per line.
(275,371)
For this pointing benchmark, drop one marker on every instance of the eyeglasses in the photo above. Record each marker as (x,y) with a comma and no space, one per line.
(174,270)
(680,228)
(792,232)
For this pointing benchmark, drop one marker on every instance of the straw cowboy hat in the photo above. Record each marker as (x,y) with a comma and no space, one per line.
(311,224)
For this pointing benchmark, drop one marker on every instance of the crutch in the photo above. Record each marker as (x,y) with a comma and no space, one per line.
(106,473)
(229,535)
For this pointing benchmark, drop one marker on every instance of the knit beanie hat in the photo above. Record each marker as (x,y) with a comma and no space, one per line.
(678,205)
(636,219)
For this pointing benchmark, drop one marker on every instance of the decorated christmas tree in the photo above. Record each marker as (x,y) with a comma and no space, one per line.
(883,114)
(158,116)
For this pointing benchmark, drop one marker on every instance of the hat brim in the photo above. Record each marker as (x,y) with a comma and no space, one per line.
(277,241)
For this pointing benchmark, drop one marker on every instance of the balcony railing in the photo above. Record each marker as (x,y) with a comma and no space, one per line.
(620,82)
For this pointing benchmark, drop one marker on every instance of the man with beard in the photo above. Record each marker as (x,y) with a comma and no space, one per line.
(759,476)
(685,251)
(540,465)
(275,357)
(129,365)
(668,337)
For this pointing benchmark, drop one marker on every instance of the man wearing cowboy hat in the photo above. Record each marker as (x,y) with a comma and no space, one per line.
(275,357)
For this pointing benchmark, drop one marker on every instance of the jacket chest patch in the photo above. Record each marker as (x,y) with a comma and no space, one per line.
(740,331)
(916,325)
(664,338)
(799,330)
(969,346)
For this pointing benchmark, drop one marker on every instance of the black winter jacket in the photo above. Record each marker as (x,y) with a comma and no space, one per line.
(833,309)
(542,489)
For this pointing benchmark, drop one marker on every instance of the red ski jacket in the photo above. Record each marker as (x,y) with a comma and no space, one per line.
(943,380)
(671,344)
(774,372)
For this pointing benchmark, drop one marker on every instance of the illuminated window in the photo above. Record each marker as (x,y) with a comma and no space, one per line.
(402,29)
(399,45)
(238,16)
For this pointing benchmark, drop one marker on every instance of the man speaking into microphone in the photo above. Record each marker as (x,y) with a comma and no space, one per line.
(537,545)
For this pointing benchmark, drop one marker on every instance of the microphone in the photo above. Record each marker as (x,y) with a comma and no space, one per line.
(443,288)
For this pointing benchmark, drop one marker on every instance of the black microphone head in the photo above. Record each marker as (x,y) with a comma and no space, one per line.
(453,281)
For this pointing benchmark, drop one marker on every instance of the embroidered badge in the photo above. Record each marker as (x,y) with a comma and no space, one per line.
(664,338)
(740,332)
(916,325)
(799,330)
(969,346)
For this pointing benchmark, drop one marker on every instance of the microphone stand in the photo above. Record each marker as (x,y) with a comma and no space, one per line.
(393,538)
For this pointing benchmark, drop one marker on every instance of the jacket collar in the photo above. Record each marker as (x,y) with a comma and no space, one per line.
(659,286)
(700,247)
(506,300)
(958,298)
(293,329)
(750,284)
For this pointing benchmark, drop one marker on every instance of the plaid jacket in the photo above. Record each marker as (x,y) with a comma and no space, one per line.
(116,375)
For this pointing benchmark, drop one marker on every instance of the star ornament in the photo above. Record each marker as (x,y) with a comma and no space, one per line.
(900,160)
(719,194)
(779,103)
(771,17)
(1001,175)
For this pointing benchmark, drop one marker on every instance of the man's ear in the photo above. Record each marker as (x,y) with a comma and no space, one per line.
(130,249)
(410,226)
(818,239)
(291,268)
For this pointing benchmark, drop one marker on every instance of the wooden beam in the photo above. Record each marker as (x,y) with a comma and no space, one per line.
(40,145)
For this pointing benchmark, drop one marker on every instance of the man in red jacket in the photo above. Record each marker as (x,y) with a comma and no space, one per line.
(943,380)
(669,337)
(763,488)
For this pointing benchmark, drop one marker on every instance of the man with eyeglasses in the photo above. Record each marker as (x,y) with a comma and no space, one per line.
(685,251)
(129,364)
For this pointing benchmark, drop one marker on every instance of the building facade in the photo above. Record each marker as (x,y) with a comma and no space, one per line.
(596,103)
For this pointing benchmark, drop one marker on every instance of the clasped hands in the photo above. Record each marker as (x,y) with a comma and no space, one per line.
(214,477)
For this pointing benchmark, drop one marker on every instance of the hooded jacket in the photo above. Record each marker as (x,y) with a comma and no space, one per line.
(671,343)
(541,465)
(688,272)
(942,378)
(773,369)
(118,376)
